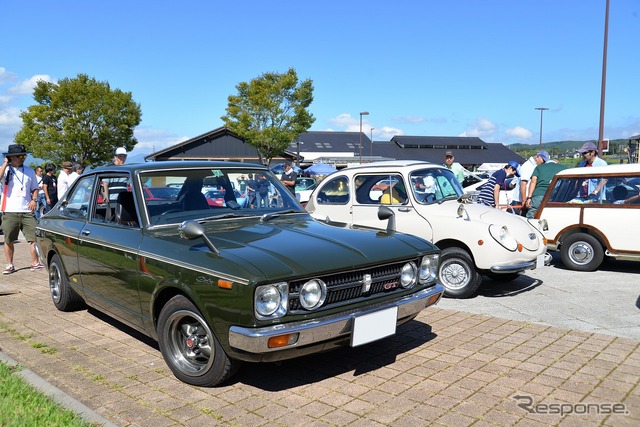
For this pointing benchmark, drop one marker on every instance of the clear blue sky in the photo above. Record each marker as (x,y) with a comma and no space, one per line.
(420,67)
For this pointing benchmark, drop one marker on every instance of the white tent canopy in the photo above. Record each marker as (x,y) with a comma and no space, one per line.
(490,167)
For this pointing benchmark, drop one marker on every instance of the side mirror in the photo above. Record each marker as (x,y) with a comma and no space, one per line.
(386,213)
(191,230)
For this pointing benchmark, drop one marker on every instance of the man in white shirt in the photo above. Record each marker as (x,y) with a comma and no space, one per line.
(19,202)
(64,179)
(77,171)
(526,170)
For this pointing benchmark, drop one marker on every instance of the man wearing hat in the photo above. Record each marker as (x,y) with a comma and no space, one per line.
(64,179)
(526,170)
(19,202)
(455,167)
(490,191)
(120,156)
(591,188)
(540,180)
(289,177)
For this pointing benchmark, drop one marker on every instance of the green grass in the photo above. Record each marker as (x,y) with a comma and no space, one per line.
(23,405)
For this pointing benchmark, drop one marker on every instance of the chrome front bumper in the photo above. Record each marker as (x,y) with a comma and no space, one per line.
(516,268)
(338,326)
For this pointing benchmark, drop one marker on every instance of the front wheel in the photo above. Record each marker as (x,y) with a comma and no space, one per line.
(64,297)
(189,347)
(581,252)
(458,273)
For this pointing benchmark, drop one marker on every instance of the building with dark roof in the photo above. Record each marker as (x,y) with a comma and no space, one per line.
(341,149)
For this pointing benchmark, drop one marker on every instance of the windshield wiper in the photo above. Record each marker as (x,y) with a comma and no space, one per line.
(267,217)
(221,216)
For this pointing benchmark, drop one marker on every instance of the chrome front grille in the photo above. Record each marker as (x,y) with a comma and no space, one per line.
(347,287)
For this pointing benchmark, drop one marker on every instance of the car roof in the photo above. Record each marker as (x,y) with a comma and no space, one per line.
(177,165)
(392,165)
(602,170)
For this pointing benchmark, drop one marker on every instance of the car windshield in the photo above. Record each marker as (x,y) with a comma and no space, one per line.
(174,196)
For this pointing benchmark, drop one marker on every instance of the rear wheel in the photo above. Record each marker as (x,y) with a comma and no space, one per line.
(581,252)
(64,297)
(189,347)
(458,273)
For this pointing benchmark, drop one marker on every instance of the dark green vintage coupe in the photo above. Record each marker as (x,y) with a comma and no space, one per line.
(242,277)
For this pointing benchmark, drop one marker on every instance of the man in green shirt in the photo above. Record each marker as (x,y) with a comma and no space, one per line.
(455,167)
(540,180)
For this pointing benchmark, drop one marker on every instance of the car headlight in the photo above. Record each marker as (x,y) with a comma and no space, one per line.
(408,275)
(313,294)
(501,234)
(271,301)
(428,269)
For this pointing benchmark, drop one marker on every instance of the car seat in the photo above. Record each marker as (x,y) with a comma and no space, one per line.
(126,213)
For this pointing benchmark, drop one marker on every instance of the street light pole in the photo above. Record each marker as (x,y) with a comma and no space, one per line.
(604,79)
(298,155)
(362,113)
(371,154)
(542,109)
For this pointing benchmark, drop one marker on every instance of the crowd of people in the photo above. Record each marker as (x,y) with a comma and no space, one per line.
(533,178)
(27,194)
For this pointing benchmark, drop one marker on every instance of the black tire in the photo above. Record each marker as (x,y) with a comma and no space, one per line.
(458,273)
(581,252)
(64,297)
(189,347)
(503,277)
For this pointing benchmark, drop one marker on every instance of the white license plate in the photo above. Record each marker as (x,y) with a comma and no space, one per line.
(374,326)
(540,261)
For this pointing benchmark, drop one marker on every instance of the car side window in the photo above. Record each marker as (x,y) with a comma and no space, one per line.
(334,192)
(77,202)
(106,197)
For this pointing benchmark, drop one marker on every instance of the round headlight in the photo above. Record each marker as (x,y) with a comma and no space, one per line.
(428,268)
(312,294)
(408,275)
(267,300)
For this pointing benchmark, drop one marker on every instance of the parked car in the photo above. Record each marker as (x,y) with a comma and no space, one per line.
(304,188)
(428,201)
(216,285)
(587,229)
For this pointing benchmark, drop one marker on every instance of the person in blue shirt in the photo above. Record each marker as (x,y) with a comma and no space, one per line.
(591,188)
(490,191)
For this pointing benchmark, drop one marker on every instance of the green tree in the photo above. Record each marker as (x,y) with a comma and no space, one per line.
(270,112)
(78,119)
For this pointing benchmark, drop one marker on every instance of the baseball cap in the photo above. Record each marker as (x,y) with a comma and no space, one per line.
(543,155)
(448,153)
(514,165)
(587,146)
(121,151)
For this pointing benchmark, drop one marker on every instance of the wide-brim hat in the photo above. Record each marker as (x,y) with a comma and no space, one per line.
(16,150)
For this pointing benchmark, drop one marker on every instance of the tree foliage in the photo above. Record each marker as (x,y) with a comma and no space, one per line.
(270,112)
(78,119)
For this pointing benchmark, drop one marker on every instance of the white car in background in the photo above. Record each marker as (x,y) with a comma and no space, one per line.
(428,201)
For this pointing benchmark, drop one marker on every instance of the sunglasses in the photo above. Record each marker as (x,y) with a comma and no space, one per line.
(21,156)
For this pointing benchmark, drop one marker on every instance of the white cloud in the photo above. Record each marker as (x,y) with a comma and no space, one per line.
(345,122)
(26,86)
(481,128)
(519,132)
(152,140)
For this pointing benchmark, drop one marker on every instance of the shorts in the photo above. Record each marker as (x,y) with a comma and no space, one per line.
(13,222)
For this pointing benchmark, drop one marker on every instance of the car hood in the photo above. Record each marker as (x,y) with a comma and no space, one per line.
(286,247)
(518,226)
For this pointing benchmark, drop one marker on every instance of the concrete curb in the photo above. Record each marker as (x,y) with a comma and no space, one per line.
(58,395)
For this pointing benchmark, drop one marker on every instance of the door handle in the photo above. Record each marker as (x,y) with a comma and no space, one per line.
(404,209)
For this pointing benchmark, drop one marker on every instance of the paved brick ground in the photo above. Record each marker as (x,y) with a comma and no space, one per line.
(446,368)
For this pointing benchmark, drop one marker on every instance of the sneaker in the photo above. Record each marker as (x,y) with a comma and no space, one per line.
(37,266)
(10,269)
